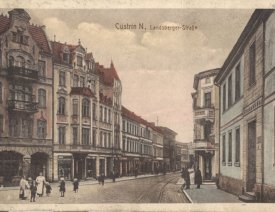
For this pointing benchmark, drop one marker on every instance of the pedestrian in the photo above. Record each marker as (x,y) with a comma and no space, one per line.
(114,176)
(187,178)
(33,189)
(62,188)
(24,188)
(198,178)
(40,180)
(99,179)
(102,178)
(183,175)
(136,172)
(48,188)
(76,184)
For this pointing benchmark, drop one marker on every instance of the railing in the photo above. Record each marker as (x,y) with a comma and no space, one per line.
(22,72)
(207,113)
(200,143)
(21,105)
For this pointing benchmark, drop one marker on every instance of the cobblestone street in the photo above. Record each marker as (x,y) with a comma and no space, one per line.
(158,189)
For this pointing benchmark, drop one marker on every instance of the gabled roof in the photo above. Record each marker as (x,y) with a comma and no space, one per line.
(37,33)
(107,74)
(57,49)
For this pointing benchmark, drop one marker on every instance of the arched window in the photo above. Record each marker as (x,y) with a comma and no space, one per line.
(41,97)
(85,107)
(61,106)
(11,61)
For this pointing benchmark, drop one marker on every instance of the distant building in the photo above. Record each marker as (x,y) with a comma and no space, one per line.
(205,105)
(182,155)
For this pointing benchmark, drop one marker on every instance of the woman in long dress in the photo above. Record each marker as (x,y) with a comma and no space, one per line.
(24,188)
(40,180)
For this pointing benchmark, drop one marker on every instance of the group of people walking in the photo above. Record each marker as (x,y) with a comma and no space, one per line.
(33,187)
(186,176)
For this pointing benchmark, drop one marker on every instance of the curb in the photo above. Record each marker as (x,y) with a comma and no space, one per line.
(187,196)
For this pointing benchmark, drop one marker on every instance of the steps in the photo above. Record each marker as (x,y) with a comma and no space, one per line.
(248,197)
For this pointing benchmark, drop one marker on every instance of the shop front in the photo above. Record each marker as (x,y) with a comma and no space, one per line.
(65,167)
(91,167)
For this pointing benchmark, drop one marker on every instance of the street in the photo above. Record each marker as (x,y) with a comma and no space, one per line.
(157,189)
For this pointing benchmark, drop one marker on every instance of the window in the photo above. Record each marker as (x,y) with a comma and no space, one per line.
(11,61)
(41,68)
(62,78)
(75,133)
(101,113)
(105,114)
(94,111)
(79,60)
(41,98)
(237,82)
(224,97)
(223,149)
(252,64)
(61,106)
(66,57)
(82,81)
(94,137)
(109,116)
(26,128)
(41,128)
(75,107)
(207,99)
(1,124)
(207,130)
(85,136)
(75,80)
(229,91)
(85,107)
(19,37)
(1,92)
(229,148)
(237,146)
(105,139)
(61,135)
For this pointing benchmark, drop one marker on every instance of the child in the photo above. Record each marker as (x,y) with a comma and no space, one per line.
(33,189)
(48,188)
(75,183)
(62,187)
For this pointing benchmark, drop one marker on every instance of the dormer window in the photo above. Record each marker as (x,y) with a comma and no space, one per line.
(19,37)
(79,61)
(66,57)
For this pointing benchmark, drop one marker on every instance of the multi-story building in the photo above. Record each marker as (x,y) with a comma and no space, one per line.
(247,116)
(205,105)
(142,145)
(87,101)
(25,99)
(178,155)
(184,155)
(169,139)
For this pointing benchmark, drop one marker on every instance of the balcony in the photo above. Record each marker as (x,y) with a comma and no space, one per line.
(204,113)
(22,73)
(199,144)
(23,106)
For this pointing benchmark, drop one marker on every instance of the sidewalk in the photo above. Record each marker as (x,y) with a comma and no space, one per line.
(93,182)
(208,193)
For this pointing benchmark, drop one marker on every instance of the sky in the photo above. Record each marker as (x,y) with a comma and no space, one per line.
(156,68)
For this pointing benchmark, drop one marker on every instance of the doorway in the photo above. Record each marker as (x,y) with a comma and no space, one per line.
(39,164)
(251,171)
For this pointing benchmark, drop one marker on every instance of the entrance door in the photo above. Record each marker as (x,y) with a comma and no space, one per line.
(251,172)
(39,164)
(79,167)
(207,168)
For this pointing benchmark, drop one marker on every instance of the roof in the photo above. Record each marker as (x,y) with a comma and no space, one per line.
(37,33)
(204,74)
(107,75)
(258,16)
(131,115)
(57,49)
(105,100)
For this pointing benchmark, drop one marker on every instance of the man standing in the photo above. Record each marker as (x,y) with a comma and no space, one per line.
(198,178)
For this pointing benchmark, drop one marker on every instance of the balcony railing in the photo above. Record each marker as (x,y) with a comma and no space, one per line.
(24,106)
(202,144)
(26,73)
(207,113)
